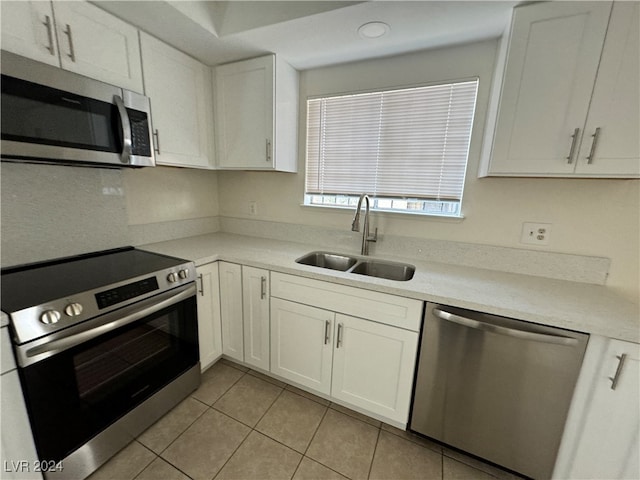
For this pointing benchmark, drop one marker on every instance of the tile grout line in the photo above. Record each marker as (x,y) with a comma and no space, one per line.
(375,449)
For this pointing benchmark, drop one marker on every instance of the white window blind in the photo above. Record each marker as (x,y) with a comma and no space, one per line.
(411,143)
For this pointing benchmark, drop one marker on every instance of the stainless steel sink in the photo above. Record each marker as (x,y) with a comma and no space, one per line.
(388,270)
(363,266)
(332,261)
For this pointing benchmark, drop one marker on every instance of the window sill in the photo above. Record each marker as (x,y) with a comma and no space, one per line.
(384,213)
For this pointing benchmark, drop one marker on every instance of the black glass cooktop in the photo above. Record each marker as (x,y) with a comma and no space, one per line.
(36,283)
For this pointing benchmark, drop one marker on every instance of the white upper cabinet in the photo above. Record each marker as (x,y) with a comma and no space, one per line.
(28,30)
(179,88)
(83,39)
(256,113)
(614,112)
(549,108)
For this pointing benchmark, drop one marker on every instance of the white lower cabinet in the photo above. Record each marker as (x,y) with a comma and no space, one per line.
(17,450)
(601,434)
(244,308)
(373,366)
(255,314)
(363,362)
(302,344)
(231,310)
(209,328)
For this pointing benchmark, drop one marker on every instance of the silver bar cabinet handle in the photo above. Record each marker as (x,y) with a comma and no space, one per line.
(509,332)
(125,123)
(616,377)
(594,143)
(263,287)
(339,339)
(72,52)
(157,135)
(47,23)
(201,288)
(268,151)
(327,324)
(574,142)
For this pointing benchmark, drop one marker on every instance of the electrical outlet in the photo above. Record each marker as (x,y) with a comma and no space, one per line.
(253,208)
(536,233)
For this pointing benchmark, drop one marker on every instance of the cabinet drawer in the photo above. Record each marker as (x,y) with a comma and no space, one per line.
(380,307)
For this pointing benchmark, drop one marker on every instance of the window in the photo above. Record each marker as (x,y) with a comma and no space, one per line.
(406,148)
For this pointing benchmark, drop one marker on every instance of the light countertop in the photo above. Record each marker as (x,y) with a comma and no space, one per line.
(582,307)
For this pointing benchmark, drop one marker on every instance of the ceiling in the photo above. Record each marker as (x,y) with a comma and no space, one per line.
(310,34)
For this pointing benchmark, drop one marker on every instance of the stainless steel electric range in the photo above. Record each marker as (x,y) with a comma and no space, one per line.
(106,343)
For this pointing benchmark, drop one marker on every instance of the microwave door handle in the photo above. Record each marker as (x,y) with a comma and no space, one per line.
(125,123)
(148,307)
(509,332)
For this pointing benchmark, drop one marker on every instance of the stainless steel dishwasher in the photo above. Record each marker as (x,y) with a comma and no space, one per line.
(495,387)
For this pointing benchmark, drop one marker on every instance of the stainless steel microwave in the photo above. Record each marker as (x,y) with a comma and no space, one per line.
(50,115)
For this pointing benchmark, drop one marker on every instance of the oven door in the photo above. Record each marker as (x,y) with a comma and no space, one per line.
(79,381)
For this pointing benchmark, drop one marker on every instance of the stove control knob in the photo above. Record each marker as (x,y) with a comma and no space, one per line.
(184,273)
(73,309)
(50,316)
(172,277)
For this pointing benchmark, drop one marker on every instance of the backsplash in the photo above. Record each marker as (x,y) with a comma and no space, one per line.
(562,266)
(51,211)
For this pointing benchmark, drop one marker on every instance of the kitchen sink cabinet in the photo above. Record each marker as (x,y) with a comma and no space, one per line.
(83,39)
(358,347)
(569,99)
(601,434)
(373,366)
(179,88)
(209,323)
(256,111)
(301,344)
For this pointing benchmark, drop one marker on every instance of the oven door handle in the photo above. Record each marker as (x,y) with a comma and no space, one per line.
(146,307)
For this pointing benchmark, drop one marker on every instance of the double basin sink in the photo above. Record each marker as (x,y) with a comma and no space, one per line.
(361,266)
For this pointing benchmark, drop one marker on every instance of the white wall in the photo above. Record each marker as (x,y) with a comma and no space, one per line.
(50,211)
(589,217)
(165,194)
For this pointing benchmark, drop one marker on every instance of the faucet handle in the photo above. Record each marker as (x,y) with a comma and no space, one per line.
(373,238)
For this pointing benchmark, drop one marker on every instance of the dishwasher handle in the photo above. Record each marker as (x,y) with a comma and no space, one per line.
(509,332)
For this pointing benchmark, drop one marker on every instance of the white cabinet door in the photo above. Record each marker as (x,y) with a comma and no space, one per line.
(209,324)
(615,107)
(231,310)
(179,89)
(551,65)
(373,366)
(28,30)
(255,301)
(17,450)
(256,113)
(302,344)
(97,44)
(601,435)
(244,113)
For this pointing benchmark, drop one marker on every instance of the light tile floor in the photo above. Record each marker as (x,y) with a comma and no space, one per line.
(241,424)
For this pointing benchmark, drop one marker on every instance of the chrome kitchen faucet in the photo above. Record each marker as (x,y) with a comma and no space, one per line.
(355,225)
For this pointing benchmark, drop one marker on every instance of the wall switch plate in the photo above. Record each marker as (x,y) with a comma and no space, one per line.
(535,233)
(253,208)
